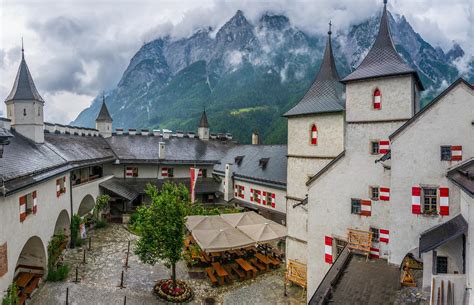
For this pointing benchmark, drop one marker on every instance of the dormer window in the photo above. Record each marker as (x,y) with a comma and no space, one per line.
(238,160)
(263,162)
(377,100)
(314,135)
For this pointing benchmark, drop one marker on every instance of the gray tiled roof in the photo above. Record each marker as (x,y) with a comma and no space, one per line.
(24,88)
(441,234)
(104,114)
(186,150)
(382,59)
(274,172)
(326,92)
(463,176)
(203,122)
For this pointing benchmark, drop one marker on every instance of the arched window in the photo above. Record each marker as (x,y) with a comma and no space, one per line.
(377,99)
(314,135)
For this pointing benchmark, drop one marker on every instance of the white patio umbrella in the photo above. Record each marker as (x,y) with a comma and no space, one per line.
(221,239)
(264,232)
(199,222)
(245,218)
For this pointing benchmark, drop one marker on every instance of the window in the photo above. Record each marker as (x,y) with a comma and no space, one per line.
(375,234)
(441,264)
(374,192)
(170,172)
(255,196)
(268,198)
(374,147)
(131,172)
(203,172)
(355,206)
(377,99)
(340,244)
(24,111)
(314,135)
(239,191)
(445,153)
(60,186)
(430,200)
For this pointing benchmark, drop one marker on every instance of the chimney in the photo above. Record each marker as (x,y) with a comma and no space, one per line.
(61,128)
(156,132)
(132,131)
(119,131)
(255,139)
(161,150)
(228,183)
(145,132)
(166,134)
(191,135)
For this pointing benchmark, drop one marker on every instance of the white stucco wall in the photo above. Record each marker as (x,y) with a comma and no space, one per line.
(416,160)
(79,192)
(467,207)
(151,170)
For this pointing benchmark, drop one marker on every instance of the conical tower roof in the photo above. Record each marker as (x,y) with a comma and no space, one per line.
(382,59)
(24,88)
(104,114)
(203,122)
(326,92)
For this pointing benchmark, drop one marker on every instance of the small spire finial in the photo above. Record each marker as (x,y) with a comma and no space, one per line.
(103,97)
(330,25)
(384,2)
(22,49)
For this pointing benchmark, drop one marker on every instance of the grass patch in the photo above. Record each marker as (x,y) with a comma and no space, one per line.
(246,110)
(58,275)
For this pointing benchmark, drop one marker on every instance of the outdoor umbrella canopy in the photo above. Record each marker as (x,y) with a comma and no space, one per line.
(265,232)
(199,222)
(221,239)
(242,219)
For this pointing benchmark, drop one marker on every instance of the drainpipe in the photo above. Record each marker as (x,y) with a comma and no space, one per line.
(72,206)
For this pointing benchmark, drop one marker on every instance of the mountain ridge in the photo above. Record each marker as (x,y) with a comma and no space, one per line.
(249,74)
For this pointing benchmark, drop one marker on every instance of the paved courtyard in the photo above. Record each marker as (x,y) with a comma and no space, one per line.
(100,278)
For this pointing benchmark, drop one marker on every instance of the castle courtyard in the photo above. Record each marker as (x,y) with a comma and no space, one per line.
(100,279)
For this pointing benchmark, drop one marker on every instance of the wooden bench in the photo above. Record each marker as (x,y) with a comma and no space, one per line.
(212,277)
(239,272)
(32,286)
(254,262)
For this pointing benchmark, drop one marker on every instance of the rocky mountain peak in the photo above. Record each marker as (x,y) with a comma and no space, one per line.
(275,22)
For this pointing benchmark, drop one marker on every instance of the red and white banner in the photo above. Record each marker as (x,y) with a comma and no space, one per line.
(456,153)
(366,208)
(193,173)
(444,201)
(384,236)
(384,146)
(377,100)
(384,193)
(415,200)
(328,249)
(374,252)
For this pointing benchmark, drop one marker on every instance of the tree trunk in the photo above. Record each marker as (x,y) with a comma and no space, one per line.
(173,273)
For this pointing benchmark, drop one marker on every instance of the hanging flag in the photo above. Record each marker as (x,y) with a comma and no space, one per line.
(193,173)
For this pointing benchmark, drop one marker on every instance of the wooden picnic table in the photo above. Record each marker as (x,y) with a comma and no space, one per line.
(246,266)
(23,279)
(264,259)
(220,272)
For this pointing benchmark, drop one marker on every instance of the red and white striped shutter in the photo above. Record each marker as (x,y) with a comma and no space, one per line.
(35,203)
(456,153)
(314,135)
(377,99)
(384,193)
(22,208)
(374,252)
(444,201)
(415,200)
(129,172)
(236,190)
(164,172)
(384,146)
(64,188)
(273,200)
(328,249)
(251,194)
(242,194)
(264,196)
(366,208)
(384,236)
(58,188)
(259,196)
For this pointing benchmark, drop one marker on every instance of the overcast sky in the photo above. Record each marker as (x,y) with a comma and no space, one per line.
(77,48)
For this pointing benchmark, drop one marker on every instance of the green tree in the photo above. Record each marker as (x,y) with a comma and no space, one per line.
(161,226)
(101,204)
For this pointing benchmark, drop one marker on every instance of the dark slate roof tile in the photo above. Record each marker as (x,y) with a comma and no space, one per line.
(275,170)
(104,114)
(441,234)
(24,88)
(463,176)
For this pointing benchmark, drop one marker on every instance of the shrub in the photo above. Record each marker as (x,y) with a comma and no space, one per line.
(11,296)
(60,274)
(100,223)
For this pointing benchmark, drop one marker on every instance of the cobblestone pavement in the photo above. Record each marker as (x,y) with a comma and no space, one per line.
(100,278)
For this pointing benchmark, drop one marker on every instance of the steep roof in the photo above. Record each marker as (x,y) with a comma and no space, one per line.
(104,114)
(203,122)
(24,88)
(247,165)
(442,233)
(463,176)
(326,92)
(382,59)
